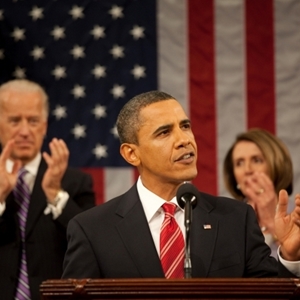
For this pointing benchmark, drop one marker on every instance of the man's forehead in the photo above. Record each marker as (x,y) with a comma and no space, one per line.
(163,114)
(165,107)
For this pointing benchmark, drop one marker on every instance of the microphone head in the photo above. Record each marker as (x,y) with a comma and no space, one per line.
(187,193)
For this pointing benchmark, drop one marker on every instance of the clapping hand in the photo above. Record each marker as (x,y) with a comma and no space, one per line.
(57,163)
(287,227)
(8,180)
(261,195)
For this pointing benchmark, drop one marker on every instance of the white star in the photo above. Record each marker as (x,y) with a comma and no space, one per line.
(116,12)
(18,34)
(77,52)
(1,14)
(59,72)
(78,91)
(138,71)
(19,73)
(1,53)
(99,71)
(37,53)
(100,151)
(76,12)
(60,112)
(118,91)
(117,51)
(137,32)
(114,131)
(58,32)
(36,13)
(79,131)
(98,32)
(99,111)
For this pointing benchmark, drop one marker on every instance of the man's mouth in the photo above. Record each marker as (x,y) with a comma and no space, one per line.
(185,156)
(23,144)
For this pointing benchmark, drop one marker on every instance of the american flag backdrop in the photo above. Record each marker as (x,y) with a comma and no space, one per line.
(233,64)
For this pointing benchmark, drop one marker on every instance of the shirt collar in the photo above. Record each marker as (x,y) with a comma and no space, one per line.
(150,201)
(31,167)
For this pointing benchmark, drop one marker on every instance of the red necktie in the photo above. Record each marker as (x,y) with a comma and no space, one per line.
(171,244)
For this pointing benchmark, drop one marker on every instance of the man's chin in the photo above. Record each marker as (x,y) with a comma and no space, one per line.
(24,155)
(188,176)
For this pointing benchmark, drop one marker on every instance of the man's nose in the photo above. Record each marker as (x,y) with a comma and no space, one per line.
(24,127)
(182,139)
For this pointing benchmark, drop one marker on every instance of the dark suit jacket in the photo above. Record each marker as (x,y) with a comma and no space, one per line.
(45,238)
(113,240)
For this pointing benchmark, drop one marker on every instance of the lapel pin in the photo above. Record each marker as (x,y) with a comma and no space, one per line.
(207,226)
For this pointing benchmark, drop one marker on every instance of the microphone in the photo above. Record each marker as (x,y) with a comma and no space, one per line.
(186,196)
(187,200)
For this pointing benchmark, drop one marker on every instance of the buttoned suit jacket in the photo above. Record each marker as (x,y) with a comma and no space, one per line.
(113,240)
(46,241)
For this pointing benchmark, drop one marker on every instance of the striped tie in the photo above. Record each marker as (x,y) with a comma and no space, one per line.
(22,197)
(171,244)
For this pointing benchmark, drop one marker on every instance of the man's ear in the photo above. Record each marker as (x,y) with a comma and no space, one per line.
(129,153)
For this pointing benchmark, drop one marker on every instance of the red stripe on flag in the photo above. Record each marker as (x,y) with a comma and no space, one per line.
(260,64)
(98,179)
(202,91)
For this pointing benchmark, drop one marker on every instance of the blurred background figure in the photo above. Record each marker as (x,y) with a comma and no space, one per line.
(39,193)
(256,167)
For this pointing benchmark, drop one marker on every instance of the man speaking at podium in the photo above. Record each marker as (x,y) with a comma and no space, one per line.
(138,234)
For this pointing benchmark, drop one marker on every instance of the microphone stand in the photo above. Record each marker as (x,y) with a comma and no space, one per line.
(187,223)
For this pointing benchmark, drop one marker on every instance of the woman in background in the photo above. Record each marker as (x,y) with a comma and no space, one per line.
(256,167)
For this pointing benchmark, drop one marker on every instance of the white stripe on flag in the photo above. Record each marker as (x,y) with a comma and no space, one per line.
(172,50)
(117,181)
(230,78)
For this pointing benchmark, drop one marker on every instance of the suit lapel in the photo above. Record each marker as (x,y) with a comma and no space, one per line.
(135,233)
(203,237)
(37,199)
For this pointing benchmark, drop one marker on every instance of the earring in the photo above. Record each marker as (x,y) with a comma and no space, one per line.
(238,187)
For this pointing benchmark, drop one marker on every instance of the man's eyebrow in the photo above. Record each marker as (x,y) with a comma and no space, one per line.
(169,126)
(162,128)
(185,121)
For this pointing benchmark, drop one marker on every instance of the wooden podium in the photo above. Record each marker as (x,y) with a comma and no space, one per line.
(241,288)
